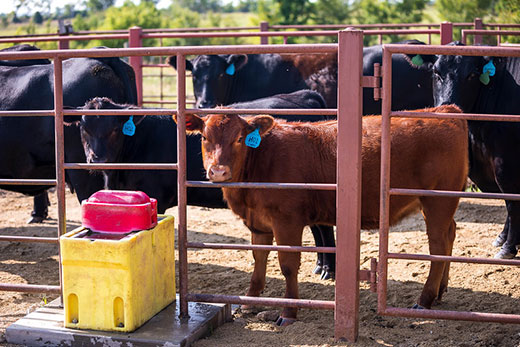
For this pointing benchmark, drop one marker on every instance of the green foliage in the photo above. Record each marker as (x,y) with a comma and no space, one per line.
(200,6)
(98,5)
(331,12)
(463,10)
(508,11)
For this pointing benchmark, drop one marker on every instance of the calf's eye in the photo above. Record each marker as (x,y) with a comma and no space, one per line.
(239,140)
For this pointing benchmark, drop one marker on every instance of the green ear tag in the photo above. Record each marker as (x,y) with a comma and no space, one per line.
(417,60)
(129,127)
(484,78)
(253,139)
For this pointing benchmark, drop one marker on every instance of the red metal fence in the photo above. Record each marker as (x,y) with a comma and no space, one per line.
(350,82)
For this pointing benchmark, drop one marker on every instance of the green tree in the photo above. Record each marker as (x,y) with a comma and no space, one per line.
(37,18)
(508,11)
(463,10)
(332,12)
(98,5)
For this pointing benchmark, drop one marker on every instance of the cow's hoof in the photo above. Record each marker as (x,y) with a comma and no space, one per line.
(282,321)
(499,241)
(36,219)
(317,270)
(249,309)
(504,254)
(418,307)
(327,275)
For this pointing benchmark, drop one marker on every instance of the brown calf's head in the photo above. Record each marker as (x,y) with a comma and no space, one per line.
(224,148)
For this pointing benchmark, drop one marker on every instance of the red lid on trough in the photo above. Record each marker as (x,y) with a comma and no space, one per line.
(119,211)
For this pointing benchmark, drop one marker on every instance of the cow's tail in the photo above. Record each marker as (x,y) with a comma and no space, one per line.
(127,75)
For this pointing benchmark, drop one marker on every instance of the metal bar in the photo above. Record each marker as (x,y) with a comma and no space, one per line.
(136,62)
(348,173)
(182,189)
(316,186)
(446,33)
(249,300)
(126,112)
(184,50)
(264,26)
(29,288)
(32,182)
(384,207)
(452,315)
(29,239)
(260,247)
(28,113)
(446,193)
(286,112)
(454,50)
(427,257)
(121,166)
(477,40)
(467,116)
(60,155)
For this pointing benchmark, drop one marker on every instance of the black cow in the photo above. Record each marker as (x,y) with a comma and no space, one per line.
(488,85)
(256,76)
(155,141)
(41,201)
(27,143)
(226,79)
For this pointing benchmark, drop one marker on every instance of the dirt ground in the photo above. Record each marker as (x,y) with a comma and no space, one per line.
(472,287)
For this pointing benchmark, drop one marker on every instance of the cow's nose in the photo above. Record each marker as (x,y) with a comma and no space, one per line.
(205,104)
(219,173)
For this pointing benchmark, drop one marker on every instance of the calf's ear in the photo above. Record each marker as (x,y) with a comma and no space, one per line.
(238,60)
(173,62)
(194,124)
(263,123)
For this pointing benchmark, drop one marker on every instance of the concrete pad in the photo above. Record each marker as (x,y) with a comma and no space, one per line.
(44,327)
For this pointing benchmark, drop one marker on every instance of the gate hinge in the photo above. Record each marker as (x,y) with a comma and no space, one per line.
(373,81)
(370,275)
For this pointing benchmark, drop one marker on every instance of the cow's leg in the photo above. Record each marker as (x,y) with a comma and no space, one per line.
(502,237)
(257,283)
(289,234)
(318,241)
(440,227)
(326,264)
(509,250)
(445,276)
(40,208)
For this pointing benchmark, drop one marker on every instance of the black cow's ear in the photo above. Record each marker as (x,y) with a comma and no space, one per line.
(239,60)
(263,123)
(173,62)
(71,120)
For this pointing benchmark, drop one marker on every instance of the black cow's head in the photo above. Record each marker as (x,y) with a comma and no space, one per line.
(213,77)
(459,79)
(103,136)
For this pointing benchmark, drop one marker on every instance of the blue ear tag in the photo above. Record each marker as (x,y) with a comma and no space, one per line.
(129,127)
(231,69)
(253,139)
(417,60)
(489,67)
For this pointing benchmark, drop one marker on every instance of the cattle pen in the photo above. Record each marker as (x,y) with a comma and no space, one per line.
(350,85)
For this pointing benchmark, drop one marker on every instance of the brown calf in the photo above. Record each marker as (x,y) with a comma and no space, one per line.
(426,154)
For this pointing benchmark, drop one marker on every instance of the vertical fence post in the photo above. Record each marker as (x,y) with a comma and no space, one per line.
(181,181)
(477,39)
(446,33)
(60,152)
(384,205)
(134,40)
(63,44)
(264,26)
(348,193)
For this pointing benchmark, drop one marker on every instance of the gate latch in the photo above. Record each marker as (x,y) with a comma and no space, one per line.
(374,81)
